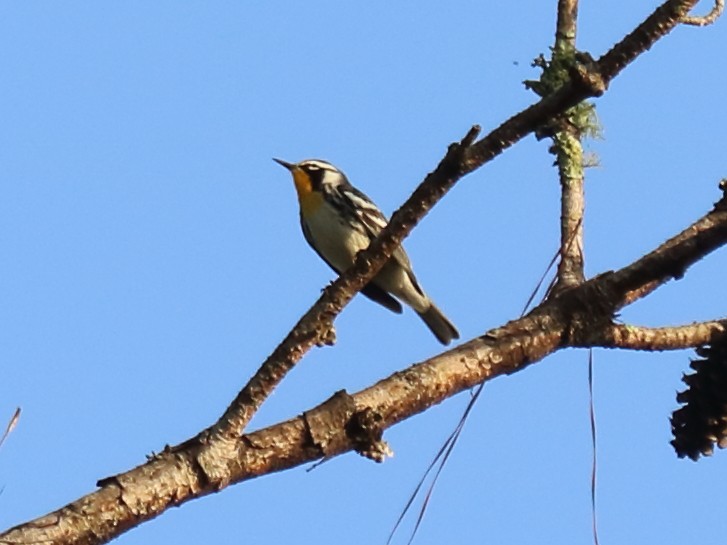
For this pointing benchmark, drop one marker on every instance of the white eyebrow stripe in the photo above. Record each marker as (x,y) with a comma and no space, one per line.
(319,164)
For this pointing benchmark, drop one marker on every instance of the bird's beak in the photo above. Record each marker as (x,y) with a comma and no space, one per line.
(286,164)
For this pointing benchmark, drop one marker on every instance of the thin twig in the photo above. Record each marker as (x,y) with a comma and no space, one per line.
(594,463)
(634,337)
(704,20)
(442,455)
(11,425)
(454,436)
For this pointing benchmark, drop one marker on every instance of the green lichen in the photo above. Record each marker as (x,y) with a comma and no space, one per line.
(580,120)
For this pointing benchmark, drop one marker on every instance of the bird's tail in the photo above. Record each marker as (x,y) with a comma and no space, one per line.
(442,328)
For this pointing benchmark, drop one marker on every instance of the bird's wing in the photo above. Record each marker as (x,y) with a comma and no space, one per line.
(376,294)
(373,221)
(371,291)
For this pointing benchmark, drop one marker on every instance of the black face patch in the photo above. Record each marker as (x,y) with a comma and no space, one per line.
(318,171)
(315,173)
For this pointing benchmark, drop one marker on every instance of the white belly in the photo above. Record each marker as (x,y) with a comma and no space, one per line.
(339,244)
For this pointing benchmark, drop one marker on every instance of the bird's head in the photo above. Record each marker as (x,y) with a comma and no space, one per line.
(312,175)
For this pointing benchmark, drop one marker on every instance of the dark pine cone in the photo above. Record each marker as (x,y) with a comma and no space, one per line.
(701,422)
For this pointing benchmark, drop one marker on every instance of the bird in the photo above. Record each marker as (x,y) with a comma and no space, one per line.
(338,221)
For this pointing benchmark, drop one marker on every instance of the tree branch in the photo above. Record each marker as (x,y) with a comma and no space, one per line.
(565,320)
(708,19)
(656,338)
(566,25)
(212,460)
(569,155)
(673,258)
(656,26)
(314,327)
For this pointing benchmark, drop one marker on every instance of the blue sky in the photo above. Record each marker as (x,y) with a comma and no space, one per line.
(152,258)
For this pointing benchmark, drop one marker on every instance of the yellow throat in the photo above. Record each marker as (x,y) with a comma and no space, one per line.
(309,200)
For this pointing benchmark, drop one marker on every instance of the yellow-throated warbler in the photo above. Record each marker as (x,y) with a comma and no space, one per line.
(339,221)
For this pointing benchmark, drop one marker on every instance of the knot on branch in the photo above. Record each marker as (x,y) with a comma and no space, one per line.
(327,423)
(581,71)
(702,420)
(326,334)
(722,203)
(586,74)
(366,433)
(335,426)
(586,310)
(456,156)
(321,331)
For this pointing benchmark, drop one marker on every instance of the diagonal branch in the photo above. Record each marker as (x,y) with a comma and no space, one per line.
(672,258)
(578,317)
(657,25)
(314,327)
(173,478)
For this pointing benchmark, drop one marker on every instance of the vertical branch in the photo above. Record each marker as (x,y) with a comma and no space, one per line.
(569,156)
(565,31)
(568,150)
